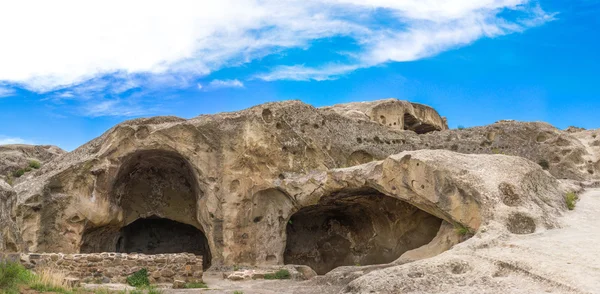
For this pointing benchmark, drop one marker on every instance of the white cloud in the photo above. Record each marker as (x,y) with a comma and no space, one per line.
(302,73)
(146,43)
(6,92)
(226,84)
(4,140)
(113,108)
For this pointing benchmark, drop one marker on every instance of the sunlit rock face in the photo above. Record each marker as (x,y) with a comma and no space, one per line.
(287,183)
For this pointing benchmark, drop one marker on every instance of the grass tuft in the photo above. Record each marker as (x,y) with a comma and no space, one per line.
(50,280)
(571,199)
(139,279)
(195,285)
(154,291)
(12,275)
(461,230)
(281,274)
(18,173)
(34,164)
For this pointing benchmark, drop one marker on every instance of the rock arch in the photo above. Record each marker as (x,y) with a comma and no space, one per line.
(356,227)
(155,191)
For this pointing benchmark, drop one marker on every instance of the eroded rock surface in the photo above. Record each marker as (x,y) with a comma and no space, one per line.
(10,237)
(14,157)
(367,185)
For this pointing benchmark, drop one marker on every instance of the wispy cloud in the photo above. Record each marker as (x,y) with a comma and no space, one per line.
(226,84)
(303,73)
(113,108)
(6,92)
(118,46)
(4,140)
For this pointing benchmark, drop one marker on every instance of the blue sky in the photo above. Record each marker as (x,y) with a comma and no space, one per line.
(71,70)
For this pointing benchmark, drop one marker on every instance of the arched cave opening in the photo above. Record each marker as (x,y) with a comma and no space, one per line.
(158,194)
(413,124)
(156,235)
(360,227)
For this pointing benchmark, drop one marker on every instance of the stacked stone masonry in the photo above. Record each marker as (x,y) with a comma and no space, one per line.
(115,267)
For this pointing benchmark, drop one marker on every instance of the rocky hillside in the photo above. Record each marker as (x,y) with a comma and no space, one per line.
(18,159)
(377,183)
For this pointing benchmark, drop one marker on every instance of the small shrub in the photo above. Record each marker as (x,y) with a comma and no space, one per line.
(195,285)
(236,267)
(461,230)
(461,127)
(544,164)
(11,275)
(34,164)
(238,292)
(571,198)
(27,169)
(139,279)
(18,173)
(281,274)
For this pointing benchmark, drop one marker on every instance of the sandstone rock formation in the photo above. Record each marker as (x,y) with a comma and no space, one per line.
(287,183)
(395,114)
(10,238)
(18,156)
(562,153)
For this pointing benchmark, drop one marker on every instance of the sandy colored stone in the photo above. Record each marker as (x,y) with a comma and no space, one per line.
(384,183)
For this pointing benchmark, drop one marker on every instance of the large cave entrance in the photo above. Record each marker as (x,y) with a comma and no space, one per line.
(157,193)
(356,228)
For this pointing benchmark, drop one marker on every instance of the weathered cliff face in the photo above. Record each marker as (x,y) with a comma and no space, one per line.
(395,114)
(16,156)
(268,185)
(566,155)
(10,237)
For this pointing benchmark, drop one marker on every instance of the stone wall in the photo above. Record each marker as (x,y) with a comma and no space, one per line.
(115,267)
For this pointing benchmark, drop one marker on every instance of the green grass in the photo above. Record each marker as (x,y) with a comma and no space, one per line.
(281,274)
(47,288)
(195,285)
(238,292)
(571,198)
(12,275)
(154,291)
(461,230)
(18,173)
(34,164)
(139,279)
